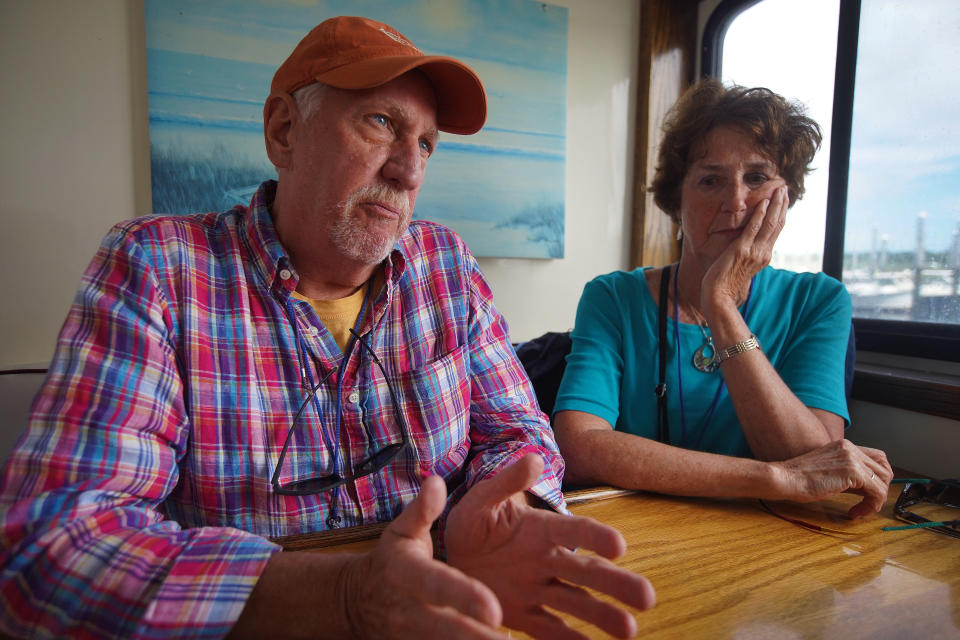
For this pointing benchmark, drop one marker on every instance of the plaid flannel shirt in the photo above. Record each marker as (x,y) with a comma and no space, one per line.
(138,502)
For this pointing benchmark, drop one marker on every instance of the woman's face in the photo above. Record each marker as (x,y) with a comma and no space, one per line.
(726,180)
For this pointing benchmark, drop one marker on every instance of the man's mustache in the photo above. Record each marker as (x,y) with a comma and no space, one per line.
(382,194)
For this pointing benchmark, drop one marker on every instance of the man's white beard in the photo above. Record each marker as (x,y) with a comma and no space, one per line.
(353,237)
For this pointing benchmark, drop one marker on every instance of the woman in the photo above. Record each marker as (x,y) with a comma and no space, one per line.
(753,401)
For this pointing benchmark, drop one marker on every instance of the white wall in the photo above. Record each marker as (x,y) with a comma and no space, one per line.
(541,295)
(73,155)
(929,445)
(74,159)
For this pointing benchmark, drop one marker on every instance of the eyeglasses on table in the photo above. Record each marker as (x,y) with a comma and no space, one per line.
(936,496)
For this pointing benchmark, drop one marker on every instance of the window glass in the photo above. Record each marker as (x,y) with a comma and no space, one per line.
(902,239)
(902,232)
(790,47)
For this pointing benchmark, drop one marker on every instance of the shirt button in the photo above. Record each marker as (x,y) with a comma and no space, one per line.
(354,397)
(313,331)
(285,274)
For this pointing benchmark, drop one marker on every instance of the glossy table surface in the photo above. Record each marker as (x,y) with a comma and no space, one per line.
(730,569)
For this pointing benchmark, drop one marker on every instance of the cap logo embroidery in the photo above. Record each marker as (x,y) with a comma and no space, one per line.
(398,39)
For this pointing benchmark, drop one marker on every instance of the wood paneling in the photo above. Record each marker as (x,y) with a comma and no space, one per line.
(668,40)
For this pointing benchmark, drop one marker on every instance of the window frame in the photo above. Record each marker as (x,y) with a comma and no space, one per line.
(935,341)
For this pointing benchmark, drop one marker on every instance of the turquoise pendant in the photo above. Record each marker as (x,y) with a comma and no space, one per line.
(704,362)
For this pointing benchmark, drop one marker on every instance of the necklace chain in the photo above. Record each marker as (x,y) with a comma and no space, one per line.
(702,360)
(716,396)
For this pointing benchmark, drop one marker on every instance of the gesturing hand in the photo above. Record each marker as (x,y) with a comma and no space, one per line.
(524,555)
(399,591)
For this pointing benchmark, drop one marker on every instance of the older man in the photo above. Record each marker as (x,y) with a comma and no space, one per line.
(313,361)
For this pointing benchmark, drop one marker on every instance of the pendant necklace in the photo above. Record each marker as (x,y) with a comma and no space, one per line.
(702,361)
(704,358)
(710,363)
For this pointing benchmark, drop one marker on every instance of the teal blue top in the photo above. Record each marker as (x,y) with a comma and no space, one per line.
(802,321)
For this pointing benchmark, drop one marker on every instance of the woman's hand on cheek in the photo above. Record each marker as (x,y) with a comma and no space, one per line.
(730,274)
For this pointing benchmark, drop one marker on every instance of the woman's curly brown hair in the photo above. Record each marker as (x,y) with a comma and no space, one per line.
(779,128)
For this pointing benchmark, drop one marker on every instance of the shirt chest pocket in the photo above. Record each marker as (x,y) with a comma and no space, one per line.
(439,419)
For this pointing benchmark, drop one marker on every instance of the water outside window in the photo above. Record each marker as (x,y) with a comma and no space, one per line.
(902,241)
(901,251)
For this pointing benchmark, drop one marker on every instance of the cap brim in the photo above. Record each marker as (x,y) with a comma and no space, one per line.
(461,99)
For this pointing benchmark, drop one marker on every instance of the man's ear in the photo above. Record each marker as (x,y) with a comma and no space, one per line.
(279,114)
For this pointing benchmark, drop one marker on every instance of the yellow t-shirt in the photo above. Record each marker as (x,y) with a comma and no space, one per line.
(339,316)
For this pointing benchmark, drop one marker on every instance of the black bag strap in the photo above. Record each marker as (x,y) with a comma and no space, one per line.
(663,422)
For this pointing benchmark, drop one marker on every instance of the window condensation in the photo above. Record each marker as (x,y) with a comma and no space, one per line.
(790,47)
(902,239)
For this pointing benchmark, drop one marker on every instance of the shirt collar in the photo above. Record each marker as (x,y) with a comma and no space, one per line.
(267,254)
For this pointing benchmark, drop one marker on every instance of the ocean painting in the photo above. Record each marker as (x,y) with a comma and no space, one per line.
(209,67)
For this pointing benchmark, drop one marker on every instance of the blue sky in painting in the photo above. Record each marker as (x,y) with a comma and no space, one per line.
(209,69)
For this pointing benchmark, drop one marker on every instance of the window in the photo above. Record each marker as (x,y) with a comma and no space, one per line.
(881,210)
(769,60)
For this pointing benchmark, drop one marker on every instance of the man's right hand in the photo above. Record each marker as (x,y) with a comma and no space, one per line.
(398,590)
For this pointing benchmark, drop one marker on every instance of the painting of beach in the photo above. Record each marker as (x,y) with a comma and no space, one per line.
(209,67)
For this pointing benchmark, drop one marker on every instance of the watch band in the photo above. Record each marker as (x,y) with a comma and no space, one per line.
(745,345)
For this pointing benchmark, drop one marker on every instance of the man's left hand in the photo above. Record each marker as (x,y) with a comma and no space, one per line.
(525,555)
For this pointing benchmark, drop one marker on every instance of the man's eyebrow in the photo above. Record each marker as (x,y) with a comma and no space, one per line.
(394,110)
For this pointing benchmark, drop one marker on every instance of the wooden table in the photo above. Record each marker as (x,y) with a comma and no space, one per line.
(730,569)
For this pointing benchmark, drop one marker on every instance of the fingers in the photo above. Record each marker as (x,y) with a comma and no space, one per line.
(579,603)
(568,593)
(752,251)
(602,575)
(418,516)
(768,219)
(874,494)
(404,557)
(875,486)
(446,623)
(863,508)
(516,478)
(842,466)
(540,623)
(444,586)
(881,465)
(776,216)
(577,532)
(837,467)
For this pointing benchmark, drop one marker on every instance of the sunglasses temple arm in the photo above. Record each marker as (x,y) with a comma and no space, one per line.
(921,525)
(393,396)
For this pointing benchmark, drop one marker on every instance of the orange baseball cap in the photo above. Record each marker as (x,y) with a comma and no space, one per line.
(358,53)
